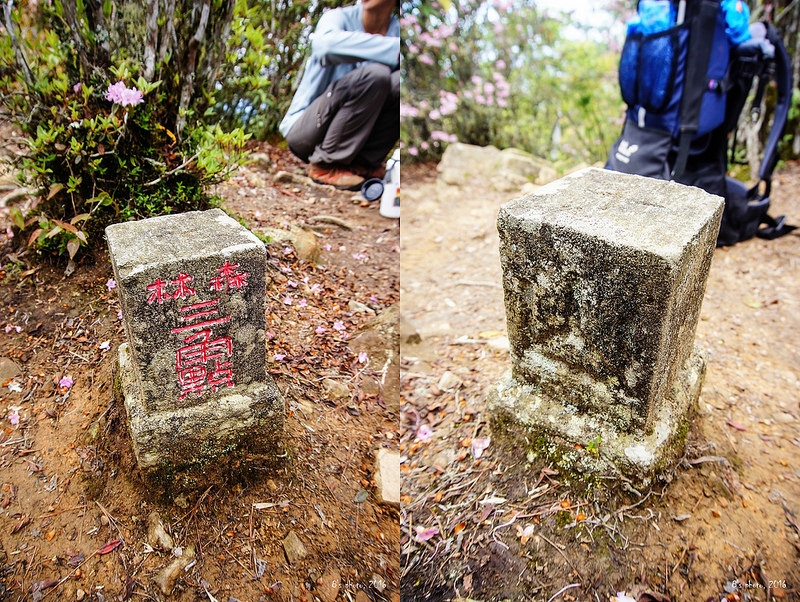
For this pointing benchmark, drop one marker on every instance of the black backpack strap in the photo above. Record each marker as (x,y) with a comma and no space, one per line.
(783,84)
(701,33)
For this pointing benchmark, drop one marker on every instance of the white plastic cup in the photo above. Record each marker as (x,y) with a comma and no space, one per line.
(390,201)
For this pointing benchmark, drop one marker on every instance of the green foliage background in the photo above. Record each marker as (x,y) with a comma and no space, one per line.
(212,72)
(561,99)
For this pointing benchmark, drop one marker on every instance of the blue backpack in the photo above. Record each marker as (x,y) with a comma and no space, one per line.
(686,70)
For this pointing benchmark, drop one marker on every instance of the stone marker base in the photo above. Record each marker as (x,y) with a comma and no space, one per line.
(188,448)
(585,447)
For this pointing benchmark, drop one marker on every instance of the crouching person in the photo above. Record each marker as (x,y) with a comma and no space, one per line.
(345,116)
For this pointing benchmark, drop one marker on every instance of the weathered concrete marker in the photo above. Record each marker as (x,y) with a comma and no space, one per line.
(603,276)
(193,374)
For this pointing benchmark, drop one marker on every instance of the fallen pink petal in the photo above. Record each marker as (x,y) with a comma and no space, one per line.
(104,346)
(13,417)
(321,330)
(287,300)
(111,284)
(362,358)
(424,534)
(479,446)
(66,382)
(279,357)
(339,325)
(302,303)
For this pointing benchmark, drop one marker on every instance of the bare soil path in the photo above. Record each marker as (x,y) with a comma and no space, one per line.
(497,525)
(74,512)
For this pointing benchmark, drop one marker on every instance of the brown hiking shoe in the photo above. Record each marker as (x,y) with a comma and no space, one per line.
(334,175)
(377,171)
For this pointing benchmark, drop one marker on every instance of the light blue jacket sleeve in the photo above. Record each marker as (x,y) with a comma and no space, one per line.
(340,38)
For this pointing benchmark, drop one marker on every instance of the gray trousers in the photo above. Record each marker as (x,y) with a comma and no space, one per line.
(355,121)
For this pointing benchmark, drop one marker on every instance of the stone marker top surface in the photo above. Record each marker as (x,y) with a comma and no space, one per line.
(138,245)
(652,215)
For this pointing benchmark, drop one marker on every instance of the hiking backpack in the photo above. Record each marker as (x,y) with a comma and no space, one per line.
(686,70)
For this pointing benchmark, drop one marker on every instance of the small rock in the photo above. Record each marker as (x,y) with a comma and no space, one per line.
(272,485)
(335,390)
(294,548)
(306,245)
(377,582)
(8,369)
(328,586)
(448,381)
(166,579)
(500,343)
(104,520)
(157,536)
(262,160)
(80,595)
(387,477)
(408,334)
(181,501)
(359,308)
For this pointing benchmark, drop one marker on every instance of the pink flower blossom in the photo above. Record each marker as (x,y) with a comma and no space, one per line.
(424,433)
(287,300)
(327,247)
(408,111)
(120,94)
(279,357)
(360,256)
(302,303)
(362,357)
(13,417)
(321,330)
(104,346)
(77,87)
(287,250)
(66,382)
(339,325)
(111,284)
(413,151)
(292,283)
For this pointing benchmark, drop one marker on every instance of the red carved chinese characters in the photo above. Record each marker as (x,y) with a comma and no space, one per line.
(227,277)
(203,362)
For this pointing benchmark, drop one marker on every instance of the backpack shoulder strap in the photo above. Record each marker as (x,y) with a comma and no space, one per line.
(703,23)
(783,81)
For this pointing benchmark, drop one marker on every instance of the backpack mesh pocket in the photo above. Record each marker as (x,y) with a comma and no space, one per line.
(647,70)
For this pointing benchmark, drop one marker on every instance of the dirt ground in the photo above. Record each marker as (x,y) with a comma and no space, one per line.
(493,524)
(75,522)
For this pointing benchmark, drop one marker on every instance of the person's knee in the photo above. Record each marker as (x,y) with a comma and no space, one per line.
(378,76)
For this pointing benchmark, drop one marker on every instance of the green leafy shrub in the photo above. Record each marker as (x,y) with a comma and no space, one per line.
(111,135)
(267,49)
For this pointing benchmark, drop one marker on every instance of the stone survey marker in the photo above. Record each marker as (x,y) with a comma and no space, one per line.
(603,277)
(193,374)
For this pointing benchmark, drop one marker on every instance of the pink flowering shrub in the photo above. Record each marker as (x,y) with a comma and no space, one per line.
(501,72)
